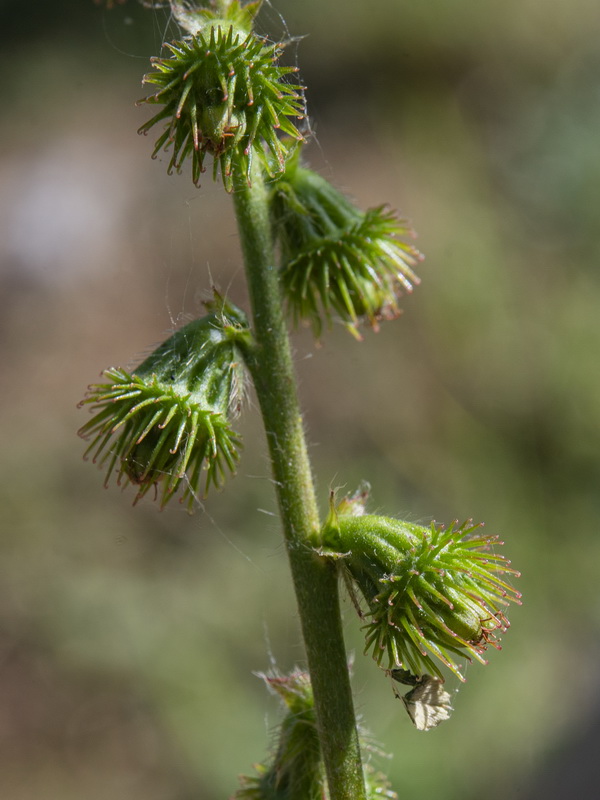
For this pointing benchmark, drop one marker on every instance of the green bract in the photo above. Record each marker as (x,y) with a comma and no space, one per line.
(160,424)
(429,591)
(336,259)
(222,93)
(192,20)
(296,770)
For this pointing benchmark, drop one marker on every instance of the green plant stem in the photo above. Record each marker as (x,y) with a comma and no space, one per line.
(315,580)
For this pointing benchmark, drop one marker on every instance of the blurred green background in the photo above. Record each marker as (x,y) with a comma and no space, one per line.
(129,637)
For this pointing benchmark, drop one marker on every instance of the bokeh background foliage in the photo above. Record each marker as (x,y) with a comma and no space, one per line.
(128,637)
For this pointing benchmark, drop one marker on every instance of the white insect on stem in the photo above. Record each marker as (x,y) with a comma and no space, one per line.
(427,703)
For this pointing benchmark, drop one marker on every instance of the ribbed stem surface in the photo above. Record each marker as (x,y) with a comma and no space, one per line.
(315,580)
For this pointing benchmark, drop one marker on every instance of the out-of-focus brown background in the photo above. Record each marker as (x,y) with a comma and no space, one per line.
(129,637)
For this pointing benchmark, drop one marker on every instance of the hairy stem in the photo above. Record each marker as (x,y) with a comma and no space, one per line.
(314,579)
